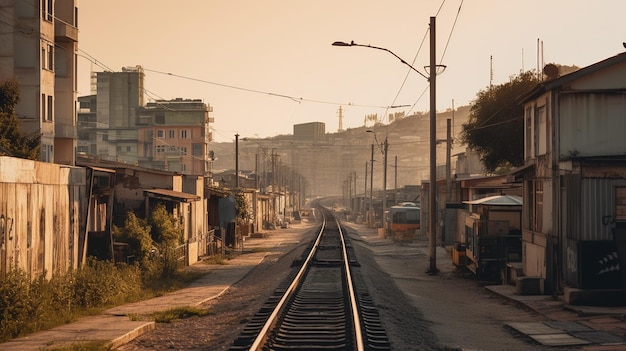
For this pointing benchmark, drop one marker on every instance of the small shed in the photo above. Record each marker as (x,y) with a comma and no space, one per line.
(493,234)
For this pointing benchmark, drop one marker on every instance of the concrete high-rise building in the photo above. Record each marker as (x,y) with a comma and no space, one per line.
(108,130)
(38,45)
(309,131)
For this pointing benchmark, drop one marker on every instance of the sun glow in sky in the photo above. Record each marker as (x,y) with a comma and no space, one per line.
(266,65)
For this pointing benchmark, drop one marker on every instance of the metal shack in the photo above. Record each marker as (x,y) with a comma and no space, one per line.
(493,235)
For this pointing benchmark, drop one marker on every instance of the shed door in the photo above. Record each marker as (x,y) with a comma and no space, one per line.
(619,230)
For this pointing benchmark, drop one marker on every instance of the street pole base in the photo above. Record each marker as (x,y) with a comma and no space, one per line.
(432,271)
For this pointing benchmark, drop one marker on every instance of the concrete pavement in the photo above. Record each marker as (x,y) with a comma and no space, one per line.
(589,328)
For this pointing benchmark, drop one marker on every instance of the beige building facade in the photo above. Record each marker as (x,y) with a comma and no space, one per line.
(38,46)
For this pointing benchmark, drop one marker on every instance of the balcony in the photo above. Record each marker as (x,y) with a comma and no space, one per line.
(65,131)
(65,32)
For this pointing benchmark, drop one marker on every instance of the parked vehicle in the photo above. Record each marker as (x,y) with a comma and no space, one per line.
(403,221)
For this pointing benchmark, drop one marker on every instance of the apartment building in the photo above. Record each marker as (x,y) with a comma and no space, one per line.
(174,135)
(39,41)
(115,124)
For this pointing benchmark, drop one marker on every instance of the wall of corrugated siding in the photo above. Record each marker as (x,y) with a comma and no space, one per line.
(597,200)
(593,124)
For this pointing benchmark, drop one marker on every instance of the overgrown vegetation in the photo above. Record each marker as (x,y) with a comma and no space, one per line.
(13,141)
(83,346)
(242,207)
(29,304)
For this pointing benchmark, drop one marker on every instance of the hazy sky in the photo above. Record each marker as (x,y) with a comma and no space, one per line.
(267,65)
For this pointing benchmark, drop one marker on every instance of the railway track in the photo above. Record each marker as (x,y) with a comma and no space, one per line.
(322,305)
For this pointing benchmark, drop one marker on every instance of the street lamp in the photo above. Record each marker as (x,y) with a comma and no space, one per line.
(383,150)
(432,79)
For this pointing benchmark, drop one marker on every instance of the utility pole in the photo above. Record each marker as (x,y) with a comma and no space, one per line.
(365,193)
(448,161)
(236,161)
(371,208)
(383,219)
(355,202)
(432,198)
(395,183)
(448,174)
(273,171)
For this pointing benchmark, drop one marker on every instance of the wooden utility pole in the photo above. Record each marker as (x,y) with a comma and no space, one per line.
(432,198)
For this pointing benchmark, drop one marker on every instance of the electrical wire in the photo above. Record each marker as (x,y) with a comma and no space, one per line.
(290,97)
(451,31)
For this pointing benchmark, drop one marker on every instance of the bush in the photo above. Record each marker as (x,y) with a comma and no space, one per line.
(136,233)
(15,303)
(165,228)
(101,284)
(27,306)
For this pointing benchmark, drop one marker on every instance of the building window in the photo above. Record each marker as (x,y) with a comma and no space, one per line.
(183,150)
(541,127)
(47,57)
(43,107)
(538,208)
(160,134)
(159,118)
(144,120)
(529,133)
(171,134)
(50,108)
(196,149)
(46,10)
(185,134)
(50,50)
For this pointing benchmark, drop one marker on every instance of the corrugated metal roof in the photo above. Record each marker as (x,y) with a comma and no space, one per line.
(498,200)
(172,195)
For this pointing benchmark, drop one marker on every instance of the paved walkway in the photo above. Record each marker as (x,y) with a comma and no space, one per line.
(590,328)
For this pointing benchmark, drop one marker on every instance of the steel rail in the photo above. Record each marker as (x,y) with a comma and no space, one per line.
(356,318)
(271,323)
(273,318)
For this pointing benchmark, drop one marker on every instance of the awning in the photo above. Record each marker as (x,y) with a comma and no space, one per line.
(171,195)
(517,175)
(498,200)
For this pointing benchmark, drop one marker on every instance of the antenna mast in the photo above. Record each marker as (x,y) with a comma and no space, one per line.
(490,72)
(340,115)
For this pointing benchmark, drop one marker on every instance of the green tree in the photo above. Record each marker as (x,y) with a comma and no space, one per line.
(12,139)
(495,128)
(165,229)
(242,208)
